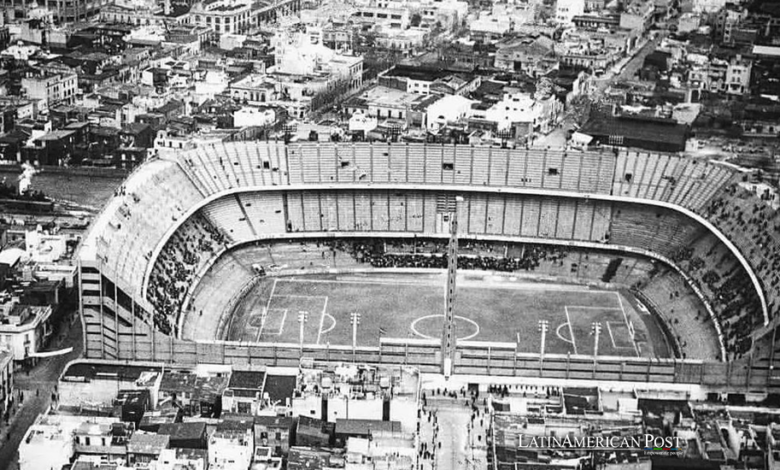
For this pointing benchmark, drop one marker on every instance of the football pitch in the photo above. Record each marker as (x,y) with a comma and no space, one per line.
(497,309)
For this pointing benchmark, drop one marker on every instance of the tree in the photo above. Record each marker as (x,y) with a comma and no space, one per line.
(416,20)
(331,95)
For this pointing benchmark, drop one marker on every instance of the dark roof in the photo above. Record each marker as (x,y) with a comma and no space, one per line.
(108,131)
(274,421)
(182,431)
(147,444)
(135,128)
(202,388)
(76,125)
(637,128)
(312,426)
(127,397)
(364,427)
(241,425)
(91,371)
(280,387)
(247,379)
(417,73)
(169,106)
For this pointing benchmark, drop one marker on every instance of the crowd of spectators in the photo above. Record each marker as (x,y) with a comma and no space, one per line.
(380,254)
(754,227)
(196,241)
(728,289)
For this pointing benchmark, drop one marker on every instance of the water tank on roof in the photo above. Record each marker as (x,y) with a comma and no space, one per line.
(327,383)
(384,382)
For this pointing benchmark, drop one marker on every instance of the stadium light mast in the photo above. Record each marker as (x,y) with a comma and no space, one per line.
(303,317)
(596,330)
(448,336)
(544,325)
(354,318)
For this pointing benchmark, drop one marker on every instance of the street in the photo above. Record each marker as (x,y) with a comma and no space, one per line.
(459,442)
(625,69)
(37,387)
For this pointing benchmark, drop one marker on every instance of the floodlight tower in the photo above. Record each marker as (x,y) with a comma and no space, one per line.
(448,336)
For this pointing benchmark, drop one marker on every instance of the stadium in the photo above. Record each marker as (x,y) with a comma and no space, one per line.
(580,265)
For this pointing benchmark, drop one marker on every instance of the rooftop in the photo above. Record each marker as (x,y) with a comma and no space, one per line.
(381,95)
(246,379)
(365,427)
(87,371)
(147,443)
(202,388)
(274,421)
(181,431)
(417,73)
(641,128)
(280,387)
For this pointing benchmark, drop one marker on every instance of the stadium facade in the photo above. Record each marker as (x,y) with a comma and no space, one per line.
(176,215)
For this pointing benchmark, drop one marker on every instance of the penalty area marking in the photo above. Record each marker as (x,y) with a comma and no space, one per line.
(571,332)
(329,329)
(560,336)
(267,308)
(424,336)
(322,319)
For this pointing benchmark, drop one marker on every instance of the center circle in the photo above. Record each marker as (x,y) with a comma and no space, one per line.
(432,323)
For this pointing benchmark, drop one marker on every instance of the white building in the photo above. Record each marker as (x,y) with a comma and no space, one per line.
(20,52)
(296,55)
(359,392)
(214,82)
(249,116)
(566,10)
(24,328)
(45,248)
(51,87)
(6,378)
(450,108)
(226,16)
(171,459)
(523,112)
(738,76)
(232,445)
(49,442)
(489,26)
(360,122)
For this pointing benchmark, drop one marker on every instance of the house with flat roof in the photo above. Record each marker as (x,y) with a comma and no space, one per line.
(25,329)
(244,392)
(145,447)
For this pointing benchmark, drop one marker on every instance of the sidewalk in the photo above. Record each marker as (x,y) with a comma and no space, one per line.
(43,380)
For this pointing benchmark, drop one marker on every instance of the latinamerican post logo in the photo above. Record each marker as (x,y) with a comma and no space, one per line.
(649,443)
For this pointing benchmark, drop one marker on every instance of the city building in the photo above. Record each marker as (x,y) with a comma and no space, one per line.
(51,86)
(25,329)
(232,445)
(355,392)
(50,441)
(567,10)
(6,381)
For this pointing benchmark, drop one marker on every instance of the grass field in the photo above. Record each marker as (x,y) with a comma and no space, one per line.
(494,309)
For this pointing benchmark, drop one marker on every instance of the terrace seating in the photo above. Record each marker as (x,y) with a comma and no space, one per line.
(227,214)
(191,248)
(264,212)
(752,225)
(673,300)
